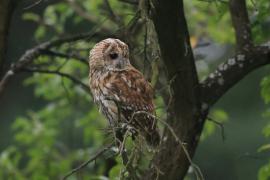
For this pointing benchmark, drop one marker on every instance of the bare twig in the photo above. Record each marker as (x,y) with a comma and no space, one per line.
(80,11)
(220,125)
(83,165)
(133,2)
(57,72)
(63,55)
(145,46)
(112,15)
(32,5)
(30,55)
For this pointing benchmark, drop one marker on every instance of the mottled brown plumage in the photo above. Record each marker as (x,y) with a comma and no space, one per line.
(117,85)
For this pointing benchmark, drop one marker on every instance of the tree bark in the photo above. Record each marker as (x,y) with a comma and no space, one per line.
(189,100)
(231,72)
(240,22)
(6,10)
(171,162)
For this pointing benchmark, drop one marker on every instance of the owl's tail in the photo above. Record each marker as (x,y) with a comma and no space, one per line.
(153,138)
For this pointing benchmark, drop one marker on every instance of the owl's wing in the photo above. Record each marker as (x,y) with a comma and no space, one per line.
(130,90)
(132,93)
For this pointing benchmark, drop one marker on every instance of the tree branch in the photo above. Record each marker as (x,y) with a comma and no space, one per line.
(115,18)
(133,2)
(63,55)
(32,5)
(80,11)
(241,24)
(30,55)
(83,165)
(56,72)
(231,72)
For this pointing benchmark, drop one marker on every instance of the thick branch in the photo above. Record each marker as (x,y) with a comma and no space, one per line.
(241,24)
(231,72)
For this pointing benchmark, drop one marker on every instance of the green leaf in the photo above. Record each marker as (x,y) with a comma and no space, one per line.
(265,89)
(266,130)
(31,16)
(264,172)
(40,32)
(265,147)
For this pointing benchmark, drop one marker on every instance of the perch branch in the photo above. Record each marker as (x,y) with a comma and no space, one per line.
(198,172)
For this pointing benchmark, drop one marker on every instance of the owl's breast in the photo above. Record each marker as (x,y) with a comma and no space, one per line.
(103,97)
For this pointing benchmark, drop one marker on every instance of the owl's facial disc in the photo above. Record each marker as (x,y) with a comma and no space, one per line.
(116,61)
(109,54)
(116,56)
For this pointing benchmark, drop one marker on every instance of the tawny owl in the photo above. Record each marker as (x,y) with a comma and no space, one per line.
(120,90)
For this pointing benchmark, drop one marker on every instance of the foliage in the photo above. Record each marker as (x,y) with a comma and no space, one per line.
(264,172)
(69,129)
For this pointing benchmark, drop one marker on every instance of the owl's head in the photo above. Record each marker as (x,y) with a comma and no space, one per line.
(110,55)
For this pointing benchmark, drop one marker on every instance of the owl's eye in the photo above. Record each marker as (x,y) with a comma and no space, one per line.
(113,55)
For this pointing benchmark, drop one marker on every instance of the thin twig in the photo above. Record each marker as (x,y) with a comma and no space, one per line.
(145,45)
(56,72)
(133,2)
(81,11)
(65,89)
(219,125)
(30,55)
(83,165)
(32,5)
(63,55)
(112,15)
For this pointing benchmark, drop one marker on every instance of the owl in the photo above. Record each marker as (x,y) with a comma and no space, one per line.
(120,90)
